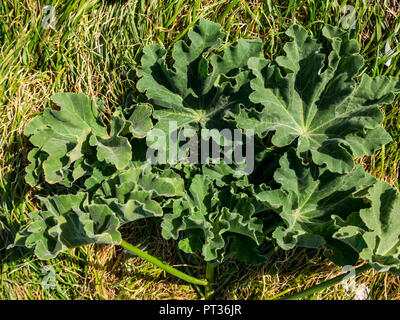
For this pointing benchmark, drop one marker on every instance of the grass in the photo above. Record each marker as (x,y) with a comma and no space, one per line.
(94,48)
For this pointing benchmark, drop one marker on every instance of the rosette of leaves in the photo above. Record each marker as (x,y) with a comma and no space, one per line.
(375,232)
(308,197)
(218,216)
(307,100)
(312,99)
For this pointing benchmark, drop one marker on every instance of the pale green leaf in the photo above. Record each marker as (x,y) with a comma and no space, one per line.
(307,198)
(378,238)
(313,99)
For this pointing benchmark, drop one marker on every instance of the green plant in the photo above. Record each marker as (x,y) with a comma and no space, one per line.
(312,117)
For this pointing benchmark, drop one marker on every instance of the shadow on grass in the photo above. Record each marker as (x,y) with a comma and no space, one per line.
(284,270)
(13,197)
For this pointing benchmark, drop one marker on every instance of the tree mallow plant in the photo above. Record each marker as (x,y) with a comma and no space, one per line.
(312,112)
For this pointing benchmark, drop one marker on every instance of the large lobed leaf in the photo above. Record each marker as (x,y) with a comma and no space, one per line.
(315,99)
(190,94)
(220,222)
(61,138)
(307,198)
(69,222)
(376,232)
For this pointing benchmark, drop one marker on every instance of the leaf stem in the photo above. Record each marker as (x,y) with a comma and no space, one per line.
(144,255)
(325,284)
(209,288)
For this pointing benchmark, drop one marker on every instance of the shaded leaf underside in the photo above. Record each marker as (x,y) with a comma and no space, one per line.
(378,238)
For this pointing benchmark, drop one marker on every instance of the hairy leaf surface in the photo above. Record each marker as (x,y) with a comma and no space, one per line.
(314,98)
(113,198)
(62,137)
(190,94)
(138,193)
(208,219)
